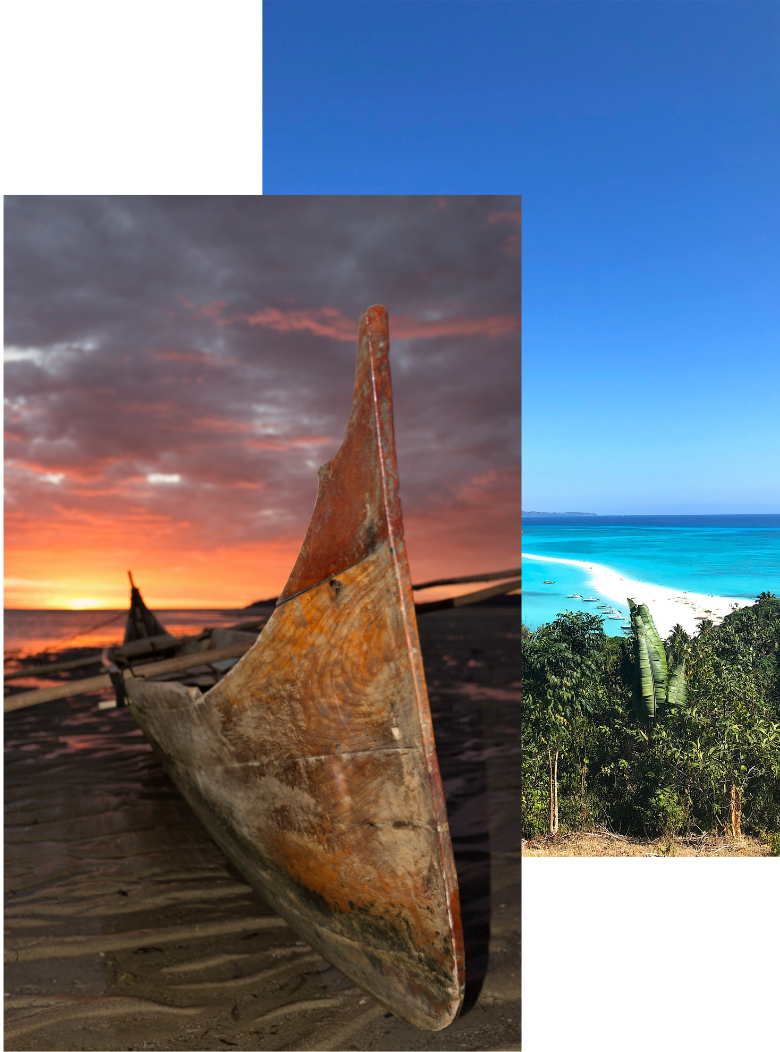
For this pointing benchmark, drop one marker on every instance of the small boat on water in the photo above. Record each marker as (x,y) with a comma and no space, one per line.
(146,640)
(590,599)
(312,762)
(548,582)
(574,596)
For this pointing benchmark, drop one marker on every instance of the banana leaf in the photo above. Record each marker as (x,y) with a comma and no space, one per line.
(644,687)
(655,638)
(657,656)
(655,685)
(678,689)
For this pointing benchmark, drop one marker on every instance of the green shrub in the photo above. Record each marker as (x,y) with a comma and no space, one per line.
(674,776)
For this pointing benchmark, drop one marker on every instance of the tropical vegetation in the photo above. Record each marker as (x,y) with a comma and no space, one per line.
(650,737)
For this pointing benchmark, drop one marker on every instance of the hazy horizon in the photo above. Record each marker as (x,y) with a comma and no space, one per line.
(584,511)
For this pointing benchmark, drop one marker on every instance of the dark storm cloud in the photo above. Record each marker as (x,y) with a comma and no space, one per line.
(213,339)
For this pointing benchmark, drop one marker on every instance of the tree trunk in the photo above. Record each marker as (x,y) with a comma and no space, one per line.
(553,792)
(736,811)
(582,794)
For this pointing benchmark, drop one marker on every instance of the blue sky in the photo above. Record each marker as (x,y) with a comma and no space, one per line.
(644,140)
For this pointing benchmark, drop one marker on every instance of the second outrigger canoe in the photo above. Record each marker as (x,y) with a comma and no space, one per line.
(312,762)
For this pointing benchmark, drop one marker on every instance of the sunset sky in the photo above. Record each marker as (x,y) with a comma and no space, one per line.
(178,367)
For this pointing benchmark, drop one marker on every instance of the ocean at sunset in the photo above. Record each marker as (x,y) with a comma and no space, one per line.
(34,631)
(736,556)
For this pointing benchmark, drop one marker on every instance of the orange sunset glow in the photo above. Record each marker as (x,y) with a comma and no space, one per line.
(178,368)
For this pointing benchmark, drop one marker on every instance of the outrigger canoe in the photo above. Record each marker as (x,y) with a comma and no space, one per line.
(312,762)
(199,659)
(146,637)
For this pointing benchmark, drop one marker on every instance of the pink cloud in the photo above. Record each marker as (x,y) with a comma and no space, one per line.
(224,425)
(513,217)
(502,482)
(73,474)
(325,322)
(512,245)
(209,310)
(276,444)
(287,443)
(332,324)
(512,242)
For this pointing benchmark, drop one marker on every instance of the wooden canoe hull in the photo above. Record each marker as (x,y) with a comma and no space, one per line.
(306,763)
(312,763)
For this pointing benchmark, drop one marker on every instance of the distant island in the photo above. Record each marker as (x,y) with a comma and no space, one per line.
(553,514)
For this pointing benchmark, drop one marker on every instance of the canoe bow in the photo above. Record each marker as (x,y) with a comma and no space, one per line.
(141,622)
(312,763)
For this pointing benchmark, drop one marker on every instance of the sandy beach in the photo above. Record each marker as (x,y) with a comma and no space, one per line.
(127,928)
(667,606)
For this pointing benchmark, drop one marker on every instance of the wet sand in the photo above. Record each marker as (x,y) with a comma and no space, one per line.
(127,928)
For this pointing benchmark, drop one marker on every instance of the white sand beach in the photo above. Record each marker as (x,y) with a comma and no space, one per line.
(667,606)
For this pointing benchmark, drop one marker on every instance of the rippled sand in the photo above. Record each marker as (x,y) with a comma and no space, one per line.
(126,927)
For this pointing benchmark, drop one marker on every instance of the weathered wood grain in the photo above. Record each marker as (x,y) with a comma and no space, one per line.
(312,763)
(357,506)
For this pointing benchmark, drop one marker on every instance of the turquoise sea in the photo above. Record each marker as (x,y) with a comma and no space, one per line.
(730,555)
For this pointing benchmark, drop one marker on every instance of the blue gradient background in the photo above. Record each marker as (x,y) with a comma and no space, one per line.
(644,139)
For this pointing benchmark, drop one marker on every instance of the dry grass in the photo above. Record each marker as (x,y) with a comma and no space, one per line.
(603,844)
